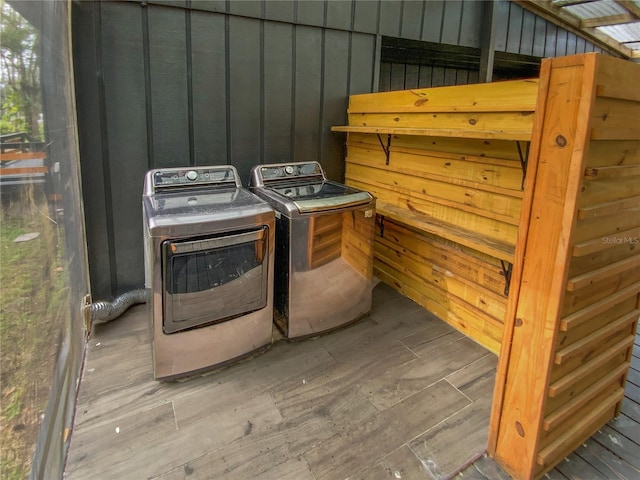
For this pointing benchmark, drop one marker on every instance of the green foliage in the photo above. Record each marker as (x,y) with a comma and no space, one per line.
(33,296)
(20,73)
(14,407)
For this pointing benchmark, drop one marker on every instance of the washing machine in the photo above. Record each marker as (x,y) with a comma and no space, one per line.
(324,247)
(209,262)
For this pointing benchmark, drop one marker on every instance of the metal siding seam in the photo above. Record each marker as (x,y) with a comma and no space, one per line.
(375,85)
(460,27)
(262,82)
(349,55)
(321,109)
(227,83)
(400,18)
(147,86)
(421,28)
(444,7)
(113,273)
(187,19)
(293,84)
(353,17)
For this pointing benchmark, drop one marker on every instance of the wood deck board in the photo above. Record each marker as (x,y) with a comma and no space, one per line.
(285,413)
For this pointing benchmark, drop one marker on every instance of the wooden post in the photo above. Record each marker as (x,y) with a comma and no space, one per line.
(571,320)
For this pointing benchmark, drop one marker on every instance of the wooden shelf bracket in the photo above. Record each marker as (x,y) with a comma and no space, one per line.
(385,148)
(524,156)
(507,269)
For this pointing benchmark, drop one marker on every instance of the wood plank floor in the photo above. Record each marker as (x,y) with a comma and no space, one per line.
(399,394)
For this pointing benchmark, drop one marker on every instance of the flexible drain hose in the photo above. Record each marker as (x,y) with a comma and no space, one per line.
(103,312)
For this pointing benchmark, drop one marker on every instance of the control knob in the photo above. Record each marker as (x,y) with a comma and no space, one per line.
(191,175)
(289,170)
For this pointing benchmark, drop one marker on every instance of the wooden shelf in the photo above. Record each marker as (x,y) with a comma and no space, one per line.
(456,234)
(437,132)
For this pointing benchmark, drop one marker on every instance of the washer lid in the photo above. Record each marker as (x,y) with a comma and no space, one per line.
(327,195)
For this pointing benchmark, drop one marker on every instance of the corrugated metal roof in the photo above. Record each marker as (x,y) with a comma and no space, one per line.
(613,24)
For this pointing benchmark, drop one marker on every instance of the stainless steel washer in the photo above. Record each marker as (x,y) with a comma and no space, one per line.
(209,259)
(324,247)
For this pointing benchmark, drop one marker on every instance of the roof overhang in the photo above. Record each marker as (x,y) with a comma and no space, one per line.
(613,25)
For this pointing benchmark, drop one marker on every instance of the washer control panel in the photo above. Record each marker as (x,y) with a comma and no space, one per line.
(296,171)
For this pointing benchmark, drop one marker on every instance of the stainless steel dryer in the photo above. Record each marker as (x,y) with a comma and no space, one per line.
(324,247)
(209,253)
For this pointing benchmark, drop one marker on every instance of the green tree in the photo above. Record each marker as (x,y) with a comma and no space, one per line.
(20,73)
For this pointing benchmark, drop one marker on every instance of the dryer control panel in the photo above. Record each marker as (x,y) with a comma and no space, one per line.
(191,177)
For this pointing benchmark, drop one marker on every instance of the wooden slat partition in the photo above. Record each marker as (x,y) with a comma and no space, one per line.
(445,165)
(357,251)
(572,318)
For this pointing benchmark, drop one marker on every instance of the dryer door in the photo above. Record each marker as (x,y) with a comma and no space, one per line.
(214,279)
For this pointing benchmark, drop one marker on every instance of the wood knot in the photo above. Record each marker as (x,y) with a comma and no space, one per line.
(396,119)
(561,141)
(473,121)
(422,101)
(518,322)
(520,429)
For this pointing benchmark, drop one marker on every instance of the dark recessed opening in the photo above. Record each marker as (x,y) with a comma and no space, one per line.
(414,64)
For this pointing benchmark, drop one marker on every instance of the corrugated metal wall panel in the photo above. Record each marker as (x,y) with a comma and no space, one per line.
(362,63)
(339,14)
(451,22)
(93,144)
(471,24)
(308,92)
(169,87)
(209,88)
(219,6)
(280,10)
(514,31)
(123,70)
(366,16)
(501,11)
(390,18)
(540,37)
(247,8)
(550,40)
(412,76)
(245,87)
(527,33)
(561,43)
(412,15)
(432,21)
(335,94)
(278,90)
(311,13)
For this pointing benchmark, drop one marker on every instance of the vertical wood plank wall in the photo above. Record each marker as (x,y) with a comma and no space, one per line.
(193,82)
(570,329)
